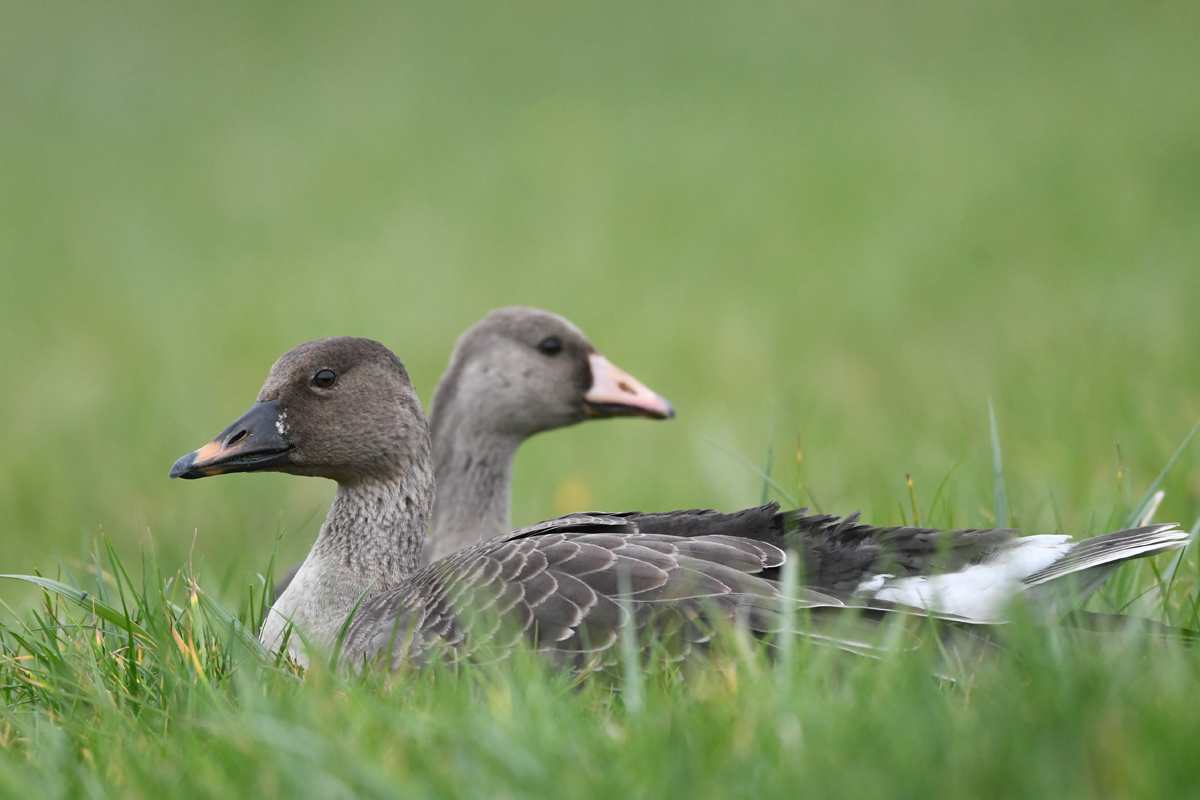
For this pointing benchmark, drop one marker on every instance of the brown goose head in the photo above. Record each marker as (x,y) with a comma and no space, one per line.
(521,371)
(341,408)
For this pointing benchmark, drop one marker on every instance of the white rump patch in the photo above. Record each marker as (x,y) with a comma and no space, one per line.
(979,591)
(869,587)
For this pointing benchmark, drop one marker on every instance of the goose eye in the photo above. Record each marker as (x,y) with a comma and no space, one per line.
(550,346)
(324,379)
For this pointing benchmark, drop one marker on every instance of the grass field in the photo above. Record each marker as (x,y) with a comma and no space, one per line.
(852,222)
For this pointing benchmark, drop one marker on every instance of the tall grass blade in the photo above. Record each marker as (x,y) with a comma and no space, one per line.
(787,644)
(766,487)
(1144,504)
(1124,492)
(101,584)
(631,671)
(1152,509)
(341,637)
(938,494)
(912,496)
(1001,496)
(87,602)
(219,617)
(1173,570)
(736,456)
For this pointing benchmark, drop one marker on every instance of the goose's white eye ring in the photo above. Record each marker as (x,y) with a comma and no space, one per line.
(324,379)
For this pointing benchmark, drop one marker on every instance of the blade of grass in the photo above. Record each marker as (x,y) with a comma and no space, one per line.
(1151,509)
(341,637)
(766,487)
(787,645)
(753,468)
(912,496)
(215,611)
(1144,504)
(87,602)
(941,486)
(1173,570)
(1123,482)
(1000,495)
(631,672)
(101,584)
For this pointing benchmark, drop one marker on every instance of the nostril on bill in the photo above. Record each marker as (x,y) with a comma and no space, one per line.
(625,387)
(237,437)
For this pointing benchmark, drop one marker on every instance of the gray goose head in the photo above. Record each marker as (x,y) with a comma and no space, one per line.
(521,371)
(341,408)
(516,373)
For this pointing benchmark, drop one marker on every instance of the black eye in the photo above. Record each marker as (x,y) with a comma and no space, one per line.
(324,379)
(550,346)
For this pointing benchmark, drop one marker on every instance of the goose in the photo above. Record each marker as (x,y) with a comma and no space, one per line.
(345,409)
(517,372)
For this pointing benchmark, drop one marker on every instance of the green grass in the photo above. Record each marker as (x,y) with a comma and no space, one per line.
(168,697)
(855,222)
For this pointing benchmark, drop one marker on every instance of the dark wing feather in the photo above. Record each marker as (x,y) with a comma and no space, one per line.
(573,523)
(837,553)
(760,523)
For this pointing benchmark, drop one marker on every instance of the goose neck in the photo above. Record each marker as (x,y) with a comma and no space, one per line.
(474,477)
(370,542)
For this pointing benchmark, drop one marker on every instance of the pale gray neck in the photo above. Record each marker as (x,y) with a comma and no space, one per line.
(370,542)
(474,467)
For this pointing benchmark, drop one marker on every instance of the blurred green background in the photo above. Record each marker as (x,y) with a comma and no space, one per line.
(853,220)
